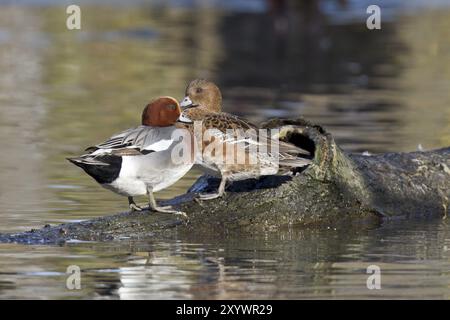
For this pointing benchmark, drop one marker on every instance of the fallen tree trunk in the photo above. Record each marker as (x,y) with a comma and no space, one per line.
(336,187)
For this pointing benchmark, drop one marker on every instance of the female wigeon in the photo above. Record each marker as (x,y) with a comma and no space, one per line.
(203,102)
(138,161)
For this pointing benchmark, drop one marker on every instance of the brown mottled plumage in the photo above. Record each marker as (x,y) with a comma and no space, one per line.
(203,102)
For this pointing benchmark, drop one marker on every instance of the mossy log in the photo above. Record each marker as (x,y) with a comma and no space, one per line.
(337,187)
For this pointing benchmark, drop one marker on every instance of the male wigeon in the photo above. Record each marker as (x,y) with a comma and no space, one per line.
(203,102)
(138,161)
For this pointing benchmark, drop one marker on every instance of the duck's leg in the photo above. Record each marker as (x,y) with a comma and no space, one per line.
(133,206)
(154,207)
(220,191)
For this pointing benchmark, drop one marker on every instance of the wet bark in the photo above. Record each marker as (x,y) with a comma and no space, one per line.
(337,187)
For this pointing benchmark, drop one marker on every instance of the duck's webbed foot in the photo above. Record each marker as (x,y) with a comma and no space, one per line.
(170,210)
(132,205)
(166,209)
(220,192)
(209,196)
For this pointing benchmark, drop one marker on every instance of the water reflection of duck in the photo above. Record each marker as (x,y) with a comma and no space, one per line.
(203,102)
(137,161)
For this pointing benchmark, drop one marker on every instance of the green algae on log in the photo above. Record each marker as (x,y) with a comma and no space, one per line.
(336,187)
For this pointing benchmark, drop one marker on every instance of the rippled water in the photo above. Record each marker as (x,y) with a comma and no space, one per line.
(61,91)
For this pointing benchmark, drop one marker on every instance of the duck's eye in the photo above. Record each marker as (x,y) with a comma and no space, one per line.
(172,107)
(198,90)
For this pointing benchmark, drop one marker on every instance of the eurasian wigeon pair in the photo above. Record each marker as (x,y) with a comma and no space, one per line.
(139,161)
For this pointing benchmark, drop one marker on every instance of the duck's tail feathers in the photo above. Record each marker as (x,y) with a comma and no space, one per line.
(295,162)
(290,148)
(87,160)
(104,169)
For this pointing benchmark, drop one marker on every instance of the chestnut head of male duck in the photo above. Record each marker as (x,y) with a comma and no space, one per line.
(162,112)
(201,97)
(137,161)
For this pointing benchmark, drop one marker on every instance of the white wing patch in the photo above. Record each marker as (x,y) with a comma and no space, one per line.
(160,145)
(101,151)
(142,138)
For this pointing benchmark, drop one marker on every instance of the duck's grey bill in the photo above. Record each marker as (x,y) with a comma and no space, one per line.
(187,102)
(184,119)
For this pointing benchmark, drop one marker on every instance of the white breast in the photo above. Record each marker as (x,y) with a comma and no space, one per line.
(155,170)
